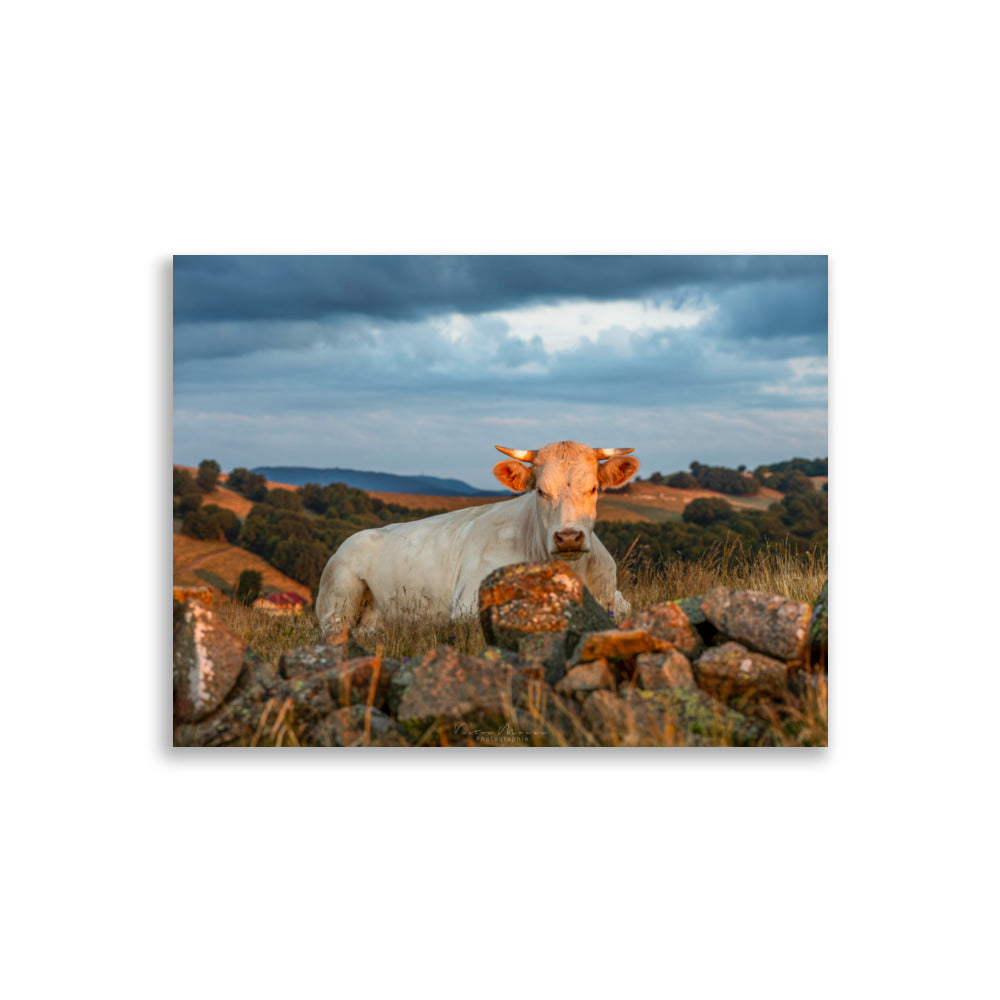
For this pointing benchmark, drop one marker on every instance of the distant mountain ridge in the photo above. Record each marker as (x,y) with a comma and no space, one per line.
(383,482)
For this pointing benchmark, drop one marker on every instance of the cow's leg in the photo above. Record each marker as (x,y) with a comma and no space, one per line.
(620,606)
(341,598)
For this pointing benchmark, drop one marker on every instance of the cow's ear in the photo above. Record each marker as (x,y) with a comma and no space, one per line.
(514,475)
(617,471)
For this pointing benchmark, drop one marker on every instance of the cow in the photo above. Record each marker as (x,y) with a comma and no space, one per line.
(434,567)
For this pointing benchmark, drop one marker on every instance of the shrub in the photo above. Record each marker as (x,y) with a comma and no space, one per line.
(248,586)
(208,475)
(708,510)
(209,522)
(682,481)
(283,499)
(790,481)
(187,502)
(183,482)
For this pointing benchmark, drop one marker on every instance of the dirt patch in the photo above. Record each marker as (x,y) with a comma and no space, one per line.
(415,501)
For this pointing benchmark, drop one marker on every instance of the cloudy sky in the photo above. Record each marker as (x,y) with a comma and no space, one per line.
(420,365)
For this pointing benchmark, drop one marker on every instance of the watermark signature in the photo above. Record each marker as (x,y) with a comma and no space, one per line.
(501,735)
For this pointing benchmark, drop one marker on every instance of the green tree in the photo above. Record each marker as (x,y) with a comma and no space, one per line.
(790,480)
(226,521)
(187,502)
(248,586)
(707,510)
(183,482)
(283,499)
(238,479)
(208,475)
(682,481)
(200,524)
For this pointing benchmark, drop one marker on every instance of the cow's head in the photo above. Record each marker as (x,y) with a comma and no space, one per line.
(565,478)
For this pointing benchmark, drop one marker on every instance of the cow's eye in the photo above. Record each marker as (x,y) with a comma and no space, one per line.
(594,490)
(543,494)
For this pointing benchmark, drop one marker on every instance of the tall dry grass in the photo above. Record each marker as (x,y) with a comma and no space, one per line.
(776,569)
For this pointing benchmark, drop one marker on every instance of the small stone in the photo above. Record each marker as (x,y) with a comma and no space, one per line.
(664,670)
(731,670)
(305,660)
(621,721)
(349,648)
(204,594)
(617,644)
(345,727)
(668,622)
(587,677)
(362,680)
(547,649)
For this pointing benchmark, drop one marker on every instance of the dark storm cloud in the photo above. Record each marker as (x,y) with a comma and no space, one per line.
(428,361)
(213,289)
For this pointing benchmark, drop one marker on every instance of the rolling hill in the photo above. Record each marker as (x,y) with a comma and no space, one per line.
(369,481)
(219,563)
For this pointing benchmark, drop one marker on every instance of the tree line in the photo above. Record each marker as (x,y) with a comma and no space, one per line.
(297,531)
(785,477)
(800,520)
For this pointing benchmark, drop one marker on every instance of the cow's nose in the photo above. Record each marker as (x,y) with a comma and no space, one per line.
(568,540)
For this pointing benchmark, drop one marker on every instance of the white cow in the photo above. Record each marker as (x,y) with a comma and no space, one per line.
(433,567)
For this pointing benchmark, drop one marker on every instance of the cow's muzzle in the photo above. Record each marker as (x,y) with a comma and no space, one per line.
(568,542)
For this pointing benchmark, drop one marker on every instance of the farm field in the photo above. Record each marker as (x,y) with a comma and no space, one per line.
(638,502)
(197,563)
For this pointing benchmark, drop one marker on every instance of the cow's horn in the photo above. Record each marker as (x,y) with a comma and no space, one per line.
(611,452)
(519,454)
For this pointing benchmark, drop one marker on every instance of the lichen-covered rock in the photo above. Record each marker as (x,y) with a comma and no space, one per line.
(208,659)
(257,679)
(204,594)
(691,606)
(668,622)
(587,677)
(690,717)
(302,661)
(350,648)
(671,669)
(399,683)
(346,727)
(524,598)
(449,688)
(731,670)
(818,637)
(548,649)
(288,713)
(767,623)
(617,644)
(621,721)
(362,680)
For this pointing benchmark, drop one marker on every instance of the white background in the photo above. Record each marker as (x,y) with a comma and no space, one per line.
(861,130)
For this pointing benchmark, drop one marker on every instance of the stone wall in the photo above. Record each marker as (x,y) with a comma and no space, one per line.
(707,670)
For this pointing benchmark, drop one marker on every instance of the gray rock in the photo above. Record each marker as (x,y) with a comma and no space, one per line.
(584,678)
(731,670)
(208,660)
(768,623)
(451,693)
(664,670)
